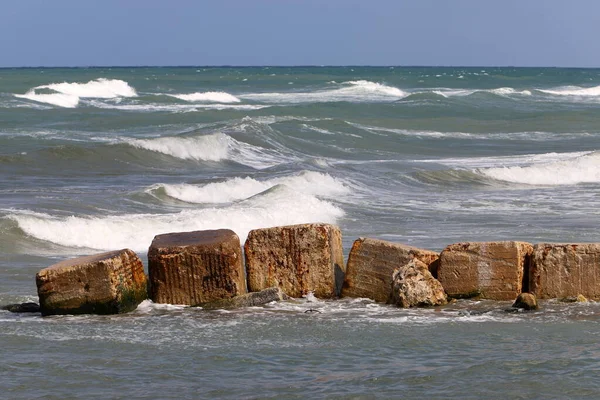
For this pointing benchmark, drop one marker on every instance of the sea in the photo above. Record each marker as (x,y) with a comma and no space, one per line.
(97,159)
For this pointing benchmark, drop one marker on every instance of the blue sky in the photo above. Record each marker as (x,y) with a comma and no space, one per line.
(300,32)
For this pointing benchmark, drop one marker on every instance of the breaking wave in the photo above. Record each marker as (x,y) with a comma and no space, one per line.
(215,147)
(573,91)
(579,169)
(68,94)
(215,97)
(277,206)
(307,182)
(351,91)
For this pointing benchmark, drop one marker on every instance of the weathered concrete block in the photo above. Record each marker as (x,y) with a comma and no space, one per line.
(252,299)
(414,286)
(490,270)
(297,258)
(371,264)
(106,283)
(565,270)
(195,267)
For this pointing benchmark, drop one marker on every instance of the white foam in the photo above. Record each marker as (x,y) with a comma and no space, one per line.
(573,91)
(175,108)
(307,182)
(68,94)
(215,147)
(148,306)
(504,161)
(206,148)
(409,132)
(215,97)
(100,88)
(352,91)
(278,206)
(581,169)
(503,91)
(507,91)
(58,99)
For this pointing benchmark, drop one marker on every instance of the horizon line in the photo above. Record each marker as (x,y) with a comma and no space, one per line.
(289,66)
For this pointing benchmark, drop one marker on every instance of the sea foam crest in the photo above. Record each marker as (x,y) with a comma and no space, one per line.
(214,147)
(307,182)
(279,205)
(581,169)
(68,94)
(209,97)
(573,91)
(204,148)
(351,91)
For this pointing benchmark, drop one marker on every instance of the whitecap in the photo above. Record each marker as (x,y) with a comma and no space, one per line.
(215,97)
(573,91)
(215,147)
(351,91)
(68,95)
(276,207)
(307,182)
(580,169)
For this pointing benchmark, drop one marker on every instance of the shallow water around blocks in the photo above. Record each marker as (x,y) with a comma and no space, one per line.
(302,348)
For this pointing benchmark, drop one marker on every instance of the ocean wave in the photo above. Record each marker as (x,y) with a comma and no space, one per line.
(214,147)
(503,161)
(502,91)
(279,205)
(176,108)
(68,94)
(351,91)
(580,169)
(307,182)
(215,97)
(409,132)
(573,91)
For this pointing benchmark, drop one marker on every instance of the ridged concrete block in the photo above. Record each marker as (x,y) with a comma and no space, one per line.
(565,270)
(297,258)
(490,270)
(106,283)
(196,267)
(371,264)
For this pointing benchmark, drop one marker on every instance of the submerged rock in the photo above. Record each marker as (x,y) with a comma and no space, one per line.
(414,286)
(297,258)
(248,300)
(371,264)
(526,301)
(107,283)
(574,299)
(490,270)
(197,267)
(22,307)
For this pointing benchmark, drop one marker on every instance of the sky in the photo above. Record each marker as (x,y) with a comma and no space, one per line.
(48,33)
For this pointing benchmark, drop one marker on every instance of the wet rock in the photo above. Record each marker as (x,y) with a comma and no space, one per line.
(526,301)
(297,258)
(575,299)
(414,286)
(22,307)
(197,267)
(107,283)
(490,270)
(565,270)
(248,300)
(371,264)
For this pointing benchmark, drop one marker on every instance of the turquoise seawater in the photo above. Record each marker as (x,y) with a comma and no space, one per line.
(95,159)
